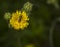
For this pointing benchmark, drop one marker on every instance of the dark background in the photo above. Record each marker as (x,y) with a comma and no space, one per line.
(42,17)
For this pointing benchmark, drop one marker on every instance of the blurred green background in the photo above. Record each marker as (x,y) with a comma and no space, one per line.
(42,25)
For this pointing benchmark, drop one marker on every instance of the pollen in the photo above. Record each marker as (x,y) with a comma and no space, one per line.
(19,20)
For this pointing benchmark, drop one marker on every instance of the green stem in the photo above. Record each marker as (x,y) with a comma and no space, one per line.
(51,32)
(19,39)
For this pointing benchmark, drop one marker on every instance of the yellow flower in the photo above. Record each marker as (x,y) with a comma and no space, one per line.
(30,45)
(19,20)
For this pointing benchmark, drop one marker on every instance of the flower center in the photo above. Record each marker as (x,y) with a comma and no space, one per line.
(19,19)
